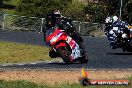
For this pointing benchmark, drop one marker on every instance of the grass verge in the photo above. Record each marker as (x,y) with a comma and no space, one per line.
(11,52)
(60,79)
(27,84)
(97,33)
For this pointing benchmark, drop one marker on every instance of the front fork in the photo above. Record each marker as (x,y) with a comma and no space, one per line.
(52,49)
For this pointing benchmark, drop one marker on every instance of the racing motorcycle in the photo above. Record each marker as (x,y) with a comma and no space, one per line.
(124,39)
(64,46)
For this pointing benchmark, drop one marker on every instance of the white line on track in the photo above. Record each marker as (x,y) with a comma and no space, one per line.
(4,65)
(19,64)
(33,63)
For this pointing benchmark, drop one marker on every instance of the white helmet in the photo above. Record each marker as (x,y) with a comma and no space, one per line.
(56,12)
(108,20)
(115,18)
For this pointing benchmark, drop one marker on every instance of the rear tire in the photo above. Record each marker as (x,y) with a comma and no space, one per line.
(65,55)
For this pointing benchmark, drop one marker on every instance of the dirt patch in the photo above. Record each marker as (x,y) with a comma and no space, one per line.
(97,33)
(59,77)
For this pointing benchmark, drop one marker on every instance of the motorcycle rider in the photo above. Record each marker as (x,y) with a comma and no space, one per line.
(55,19)
(113,29)
(108,26)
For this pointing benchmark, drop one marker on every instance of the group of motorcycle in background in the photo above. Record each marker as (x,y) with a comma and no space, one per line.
(67,43)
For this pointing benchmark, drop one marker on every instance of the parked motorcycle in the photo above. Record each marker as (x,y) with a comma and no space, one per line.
(64,46)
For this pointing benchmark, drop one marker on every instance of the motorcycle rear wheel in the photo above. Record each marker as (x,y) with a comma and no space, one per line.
(65,55)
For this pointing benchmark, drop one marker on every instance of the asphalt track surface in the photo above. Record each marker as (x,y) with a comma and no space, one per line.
(101,56)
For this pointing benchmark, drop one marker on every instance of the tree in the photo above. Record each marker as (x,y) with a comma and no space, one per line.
(39,8)
(75,10)
(114,7)
(97,11)
(127,11)
(6,6)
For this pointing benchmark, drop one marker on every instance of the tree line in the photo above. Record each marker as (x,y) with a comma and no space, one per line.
(92,12)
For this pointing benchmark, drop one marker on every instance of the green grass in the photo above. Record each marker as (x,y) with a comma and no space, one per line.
(20,84)
(27,84)
(16,53)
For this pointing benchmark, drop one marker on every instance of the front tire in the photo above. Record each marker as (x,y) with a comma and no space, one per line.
(65,54)
(53,54)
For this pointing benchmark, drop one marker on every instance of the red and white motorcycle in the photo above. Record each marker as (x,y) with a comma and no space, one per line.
(64,46)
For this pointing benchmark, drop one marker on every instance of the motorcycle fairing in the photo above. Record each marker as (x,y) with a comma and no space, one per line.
(75,48)
(61,36)
(60,44)
(56,34)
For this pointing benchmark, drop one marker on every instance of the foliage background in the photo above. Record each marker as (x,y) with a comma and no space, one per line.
(90,11)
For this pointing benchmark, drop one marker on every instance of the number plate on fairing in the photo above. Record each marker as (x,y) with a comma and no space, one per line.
(75,48)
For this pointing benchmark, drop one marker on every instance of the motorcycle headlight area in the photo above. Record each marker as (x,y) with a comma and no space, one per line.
(53,39)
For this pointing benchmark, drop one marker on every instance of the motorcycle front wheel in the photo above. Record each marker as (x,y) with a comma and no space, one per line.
(65,54)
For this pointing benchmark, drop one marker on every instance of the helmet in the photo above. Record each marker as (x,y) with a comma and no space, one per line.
(108,20)
(57,12)
(115,18)
(49,20)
